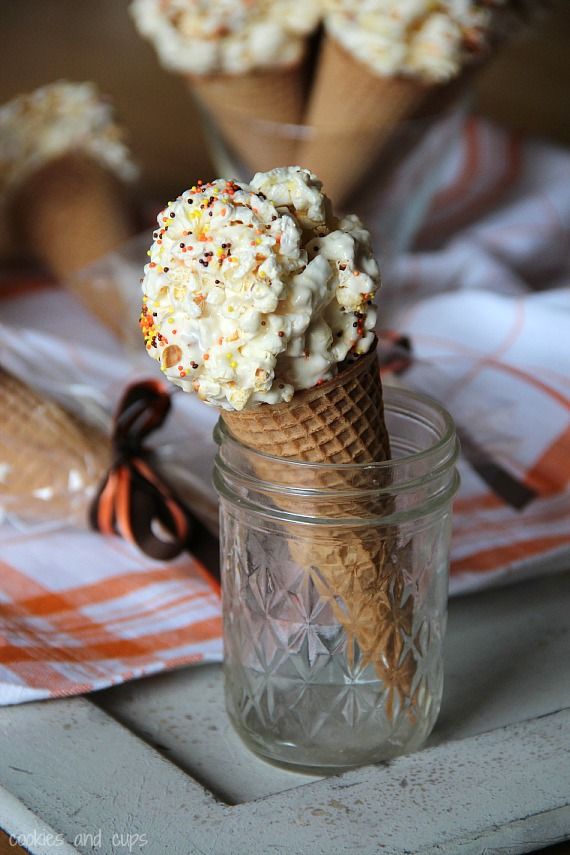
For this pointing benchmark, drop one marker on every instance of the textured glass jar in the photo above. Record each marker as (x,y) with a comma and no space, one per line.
(335,593)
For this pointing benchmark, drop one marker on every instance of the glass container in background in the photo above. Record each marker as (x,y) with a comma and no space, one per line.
(395,192)
(305,685)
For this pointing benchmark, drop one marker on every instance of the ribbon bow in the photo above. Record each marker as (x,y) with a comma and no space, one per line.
(133,500)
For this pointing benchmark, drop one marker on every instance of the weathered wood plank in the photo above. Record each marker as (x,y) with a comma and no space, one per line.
(182,714)
(507,660)
(506,791)
(17,822)
(81,772)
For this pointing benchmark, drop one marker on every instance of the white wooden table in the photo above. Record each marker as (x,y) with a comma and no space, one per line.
(155,767)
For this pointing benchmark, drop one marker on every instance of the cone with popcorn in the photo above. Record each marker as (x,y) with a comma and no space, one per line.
(245,63)
(259,300)
(63,171)
(386,66)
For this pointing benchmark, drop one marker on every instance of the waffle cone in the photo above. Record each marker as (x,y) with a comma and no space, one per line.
(51,462)
(352,115)
(358,570)
(247,109)
(70,212)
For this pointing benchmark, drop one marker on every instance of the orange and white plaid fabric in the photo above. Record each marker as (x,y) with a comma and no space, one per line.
(79,612)
(486,305)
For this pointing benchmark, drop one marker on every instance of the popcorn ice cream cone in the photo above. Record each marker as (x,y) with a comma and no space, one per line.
(258,300)
(63,170)
(244,62)
(384,64)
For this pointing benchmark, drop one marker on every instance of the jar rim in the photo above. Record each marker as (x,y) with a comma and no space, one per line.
(422,489)
(393,396)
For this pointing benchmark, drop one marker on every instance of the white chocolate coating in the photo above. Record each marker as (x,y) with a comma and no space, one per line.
(255,291)
(431,40)
(226,36)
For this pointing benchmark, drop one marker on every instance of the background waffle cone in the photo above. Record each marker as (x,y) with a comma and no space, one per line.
(248,108)
(352,115)
(358,570)
(51,463)
(70,212)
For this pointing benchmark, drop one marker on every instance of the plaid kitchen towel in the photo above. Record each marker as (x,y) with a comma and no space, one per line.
(485,301)
(79,611)
(486,308)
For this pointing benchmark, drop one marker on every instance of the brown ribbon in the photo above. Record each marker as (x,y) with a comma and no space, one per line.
(133,500)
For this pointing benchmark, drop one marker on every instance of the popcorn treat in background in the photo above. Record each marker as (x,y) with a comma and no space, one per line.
(326,84)
(64,166)
(245,62)
(385,64)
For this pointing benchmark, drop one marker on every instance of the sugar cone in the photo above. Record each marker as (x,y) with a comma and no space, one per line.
(358,570)
(352,115)
(251,109)
(70,212)
(50,462)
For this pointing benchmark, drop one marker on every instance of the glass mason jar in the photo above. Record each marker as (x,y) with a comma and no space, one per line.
(335,593)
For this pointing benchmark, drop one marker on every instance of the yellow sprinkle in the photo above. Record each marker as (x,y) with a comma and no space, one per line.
(148,252)
(233,364)
(171,320)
